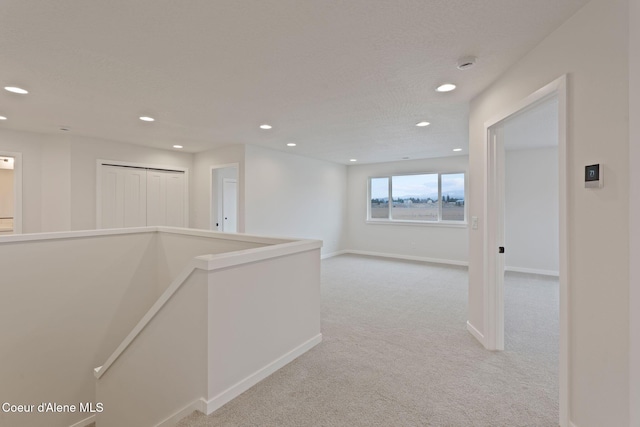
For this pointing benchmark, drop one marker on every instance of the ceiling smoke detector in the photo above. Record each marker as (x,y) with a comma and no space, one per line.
(466,62)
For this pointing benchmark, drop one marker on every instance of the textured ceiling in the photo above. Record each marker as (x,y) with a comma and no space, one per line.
(342,79)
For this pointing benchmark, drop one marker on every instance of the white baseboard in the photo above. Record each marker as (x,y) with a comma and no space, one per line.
(476,333)
(85,422)
(533,271)
(209,406)
(197,405)
(332,254)
(407,257)
(253,379)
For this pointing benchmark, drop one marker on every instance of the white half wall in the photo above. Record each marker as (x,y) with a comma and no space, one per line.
(592,48)
(426,242)
(294,196)
(532,210)
(62,314)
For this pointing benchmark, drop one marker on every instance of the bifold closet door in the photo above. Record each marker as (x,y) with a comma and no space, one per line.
(165,198)
(124,197)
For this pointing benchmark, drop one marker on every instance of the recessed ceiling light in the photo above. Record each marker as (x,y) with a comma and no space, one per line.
(16,90)
(291,144)
(178,146)
(423,124)
(447,87)
(353,160)
(147,119)
(265,126)
(457,149)
(3,118)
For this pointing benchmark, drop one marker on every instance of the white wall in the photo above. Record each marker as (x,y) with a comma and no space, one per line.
(164,368)
(201,195)
(63,313)
(84,154)
(432,242)
(592,47)
(532,210)
(59,175)
(634,157)
(294,196)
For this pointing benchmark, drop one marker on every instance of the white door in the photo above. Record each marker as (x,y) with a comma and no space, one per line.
(229,205)
(495,224)
(124,197)
(165,198)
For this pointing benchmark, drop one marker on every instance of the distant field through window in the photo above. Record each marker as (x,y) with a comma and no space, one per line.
(428,197)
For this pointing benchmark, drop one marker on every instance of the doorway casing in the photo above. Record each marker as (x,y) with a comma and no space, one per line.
(494,233)
(216,197)
(17,189)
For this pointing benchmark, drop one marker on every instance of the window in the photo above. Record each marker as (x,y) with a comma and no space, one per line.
(432,197)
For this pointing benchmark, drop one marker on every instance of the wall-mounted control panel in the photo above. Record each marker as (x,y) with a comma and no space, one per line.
(593,176)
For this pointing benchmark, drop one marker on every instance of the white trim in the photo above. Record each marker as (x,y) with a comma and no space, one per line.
(451,224)
(17,189)
(197,405)
(207,407)
(533,271)
(407,257)
(149,315)
(101,162)
(572,424)
(253,379)
(33,237)
(476,333)
(333,254)
(246,256)
(239,226)
(491,315)
(439,222)
(85,422)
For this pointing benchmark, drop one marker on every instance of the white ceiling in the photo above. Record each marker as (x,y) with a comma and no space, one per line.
(342,79)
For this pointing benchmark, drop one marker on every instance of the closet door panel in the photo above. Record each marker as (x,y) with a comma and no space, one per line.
(124,197)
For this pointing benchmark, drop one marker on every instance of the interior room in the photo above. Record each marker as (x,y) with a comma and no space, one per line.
(7,195)
(389,205)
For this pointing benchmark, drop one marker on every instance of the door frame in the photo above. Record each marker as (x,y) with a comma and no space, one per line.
(224,181)
(494,225)
(213,212)
(103,162)
(17,189)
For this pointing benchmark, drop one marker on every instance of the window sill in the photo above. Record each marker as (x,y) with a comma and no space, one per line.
(449,224)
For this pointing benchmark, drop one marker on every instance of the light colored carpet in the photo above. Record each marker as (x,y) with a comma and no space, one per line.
(396,353)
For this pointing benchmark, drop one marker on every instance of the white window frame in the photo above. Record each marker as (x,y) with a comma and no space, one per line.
(438,223)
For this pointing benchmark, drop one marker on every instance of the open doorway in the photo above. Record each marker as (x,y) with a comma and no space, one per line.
(224,198)
(10,193)
(540,207)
